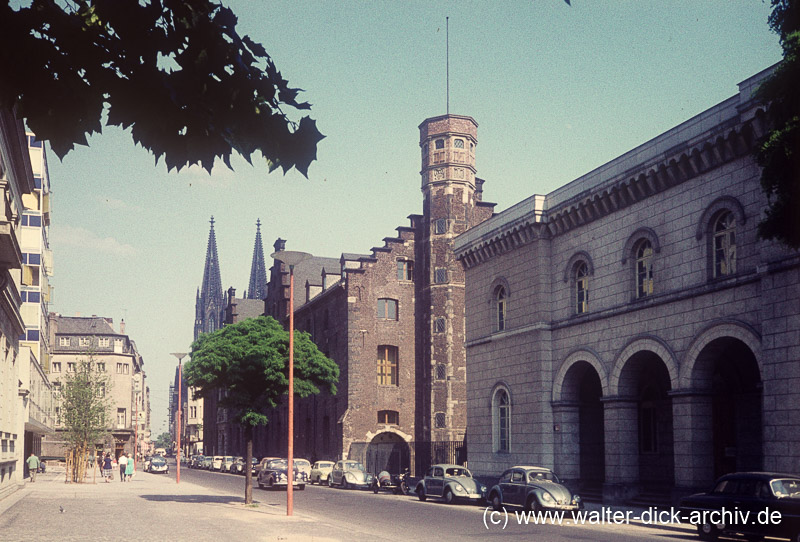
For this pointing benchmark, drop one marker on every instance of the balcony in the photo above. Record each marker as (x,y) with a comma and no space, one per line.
(10,253)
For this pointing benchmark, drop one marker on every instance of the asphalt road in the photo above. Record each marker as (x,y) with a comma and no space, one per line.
(392,517)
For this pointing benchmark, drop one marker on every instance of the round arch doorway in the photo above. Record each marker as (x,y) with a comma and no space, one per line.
(387,451)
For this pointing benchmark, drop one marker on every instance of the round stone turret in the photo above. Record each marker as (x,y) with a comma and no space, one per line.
(448,150)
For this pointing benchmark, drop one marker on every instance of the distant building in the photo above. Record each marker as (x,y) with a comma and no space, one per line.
(73,340)
(213,428)
(22,383)
(630,329)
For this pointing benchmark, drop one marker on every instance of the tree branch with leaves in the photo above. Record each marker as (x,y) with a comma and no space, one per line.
(176,72)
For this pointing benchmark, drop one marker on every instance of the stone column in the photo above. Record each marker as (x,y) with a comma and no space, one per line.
(621,422)
(693,438)
(566,442)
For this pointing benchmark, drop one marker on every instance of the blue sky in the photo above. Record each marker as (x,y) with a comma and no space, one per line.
(556,91)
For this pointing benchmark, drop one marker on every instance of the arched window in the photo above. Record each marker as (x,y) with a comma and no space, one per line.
(500,301)
(643,254)
(724,251)
(581,288)
(501,421)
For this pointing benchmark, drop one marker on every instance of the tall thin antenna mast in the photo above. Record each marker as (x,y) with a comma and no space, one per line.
(447,23)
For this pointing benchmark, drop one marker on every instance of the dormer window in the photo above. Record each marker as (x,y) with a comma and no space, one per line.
(459,144)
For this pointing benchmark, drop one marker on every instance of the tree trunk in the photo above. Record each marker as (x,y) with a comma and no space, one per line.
(248,473)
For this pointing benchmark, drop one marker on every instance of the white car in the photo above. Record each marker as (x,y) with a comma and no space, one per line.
(227,462)
(320,472)
(216,462)
(304,466)
(347,474)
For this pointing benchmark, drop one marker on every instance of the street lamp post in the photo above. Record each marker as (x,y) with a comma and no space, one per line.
(180,356)
(290,258)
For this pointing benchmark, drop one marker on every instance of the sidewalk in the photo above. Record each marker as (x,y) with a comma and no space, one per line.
(151,508)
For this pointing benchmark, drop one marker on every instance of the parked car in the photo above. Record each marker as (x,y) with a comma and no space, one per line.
(274,474)
(237,467)
(533,488)
(303,465)
(216,462)
(320,472)
(257,466)
(450,483)
(147,460)
(346,473)
(227,461)
(198,462)
(763,496)
(158,465)
(206,463)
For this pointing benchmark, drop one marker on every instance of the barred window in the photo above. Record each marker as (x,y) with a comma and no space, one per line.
(440,275)
(440,226)
(439,325)
(440,419)
(441,371)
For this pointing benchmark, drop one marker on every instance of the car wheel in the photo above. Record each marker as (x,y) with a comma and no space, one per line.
(404,488)
(270,483)
(328,482)
(532,505)
(375,487)
(260,485)
(497,504)
(707,531)
(448,496)
(421,493)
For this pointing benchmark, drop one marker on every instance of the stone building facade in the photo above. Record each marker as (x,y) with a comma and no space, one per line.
(393,320)
(629,329)
(76,339)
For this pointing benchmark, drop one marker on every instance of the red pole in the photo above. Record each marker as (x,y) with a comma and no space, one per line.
(178,431)
(136,424)
(290,471)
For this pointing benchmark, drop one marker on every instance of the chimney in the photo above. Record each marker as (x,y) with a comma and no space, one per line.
(122,327)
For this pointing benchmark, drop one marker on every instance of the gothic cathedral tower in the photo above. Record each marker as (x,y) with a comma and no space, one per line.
(452,204)
(209,305)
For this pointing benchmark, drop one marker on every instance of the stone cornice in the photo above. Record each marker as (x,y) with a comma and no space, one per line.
(722,134)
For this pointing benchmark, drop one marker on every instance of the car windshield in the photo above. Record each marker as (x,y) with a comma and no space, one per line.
(158,461)
(786,487)
(301,463)
(324,464)
(458,471)
(277,463)
(534,476)
(353,465)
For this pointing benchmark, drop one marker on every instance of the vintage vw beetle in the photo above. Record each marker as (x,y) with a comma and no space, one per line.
(348,473)
(451,483)
(533,488)
(757,504)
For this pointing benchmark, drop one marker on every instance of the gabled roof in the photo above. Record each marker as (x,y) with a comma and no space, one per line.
(83,325)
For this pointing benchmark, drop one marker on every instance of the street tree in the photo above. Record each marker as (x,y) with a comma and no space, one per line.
(176,72)
(779,151)
(248,361)
(164,440)
(84,414)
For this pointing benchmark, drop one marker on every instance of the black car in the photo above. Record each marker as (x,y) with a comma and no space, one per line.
(750,504)
(274,474)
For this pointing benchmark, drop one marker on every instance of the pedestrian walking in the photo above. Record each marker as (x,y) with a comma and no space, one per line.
(33,465)
(107,467)
(129,469)
(123,464)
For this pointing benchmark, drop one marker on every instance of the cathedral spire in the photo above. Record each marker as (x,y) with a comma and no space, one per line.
(258,271)
(210,302)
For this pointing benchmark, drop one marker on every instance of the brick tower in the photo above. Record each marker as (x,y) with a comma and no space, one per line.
(452,204)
